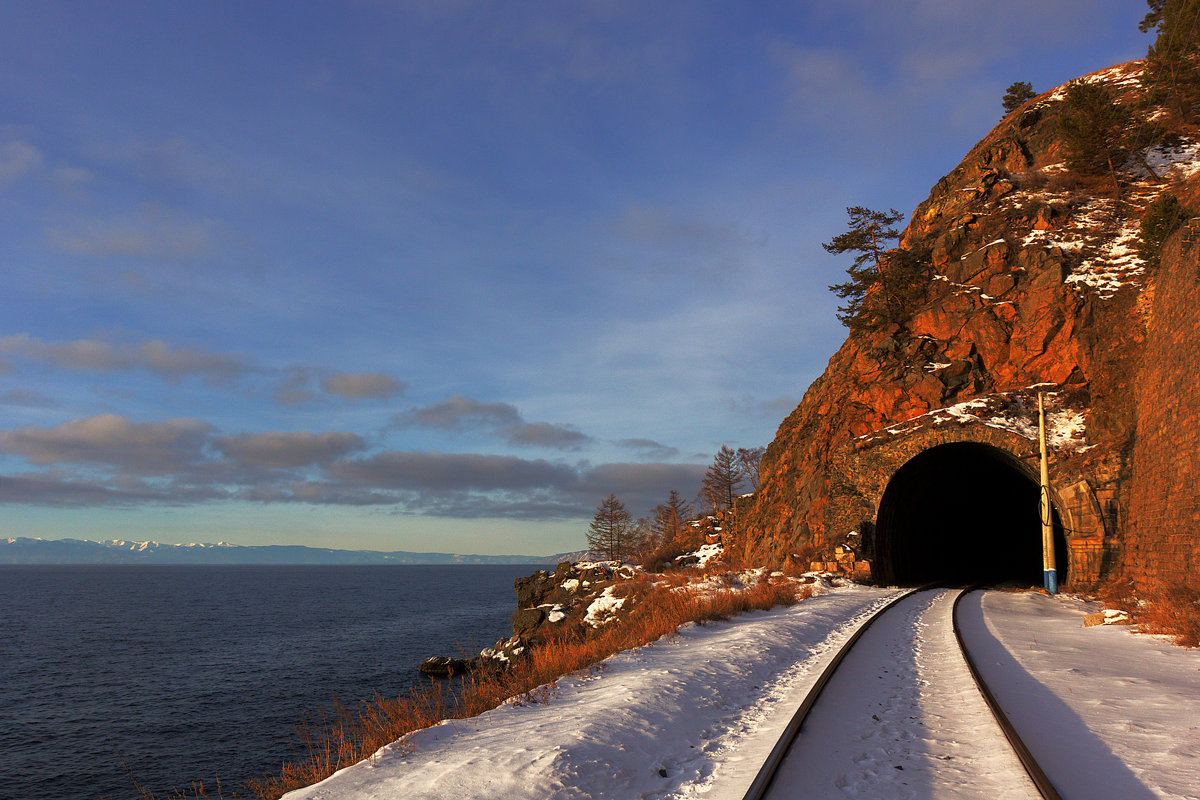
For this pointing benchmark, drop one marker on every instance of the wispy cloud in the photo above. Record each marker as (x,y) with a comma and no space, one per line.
(24,397)
(457,413)
(111,460)
(356,386)
(649,448)
(152,233)
(17,159)
(161,358)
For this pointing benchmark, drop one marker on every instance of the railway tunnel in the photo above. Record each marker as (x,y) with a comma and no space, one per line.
(962,513)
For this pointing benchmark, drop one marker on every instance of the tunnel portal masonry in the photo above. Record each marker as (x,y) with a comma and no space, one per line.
(952,495)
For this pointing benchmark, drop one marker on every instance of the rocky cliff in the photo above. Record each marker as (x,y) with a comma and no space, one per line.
(1036,286)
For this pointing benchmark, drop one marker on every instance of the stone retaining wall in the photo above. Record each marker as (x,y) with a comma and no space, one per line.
(1162,541)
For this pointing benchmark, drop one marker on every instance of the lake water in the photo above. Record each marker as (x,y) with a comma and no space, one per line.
(196,673)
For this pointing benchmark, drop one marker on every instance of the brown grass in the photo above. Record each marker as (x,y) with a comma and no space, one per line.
(1171,608)
(333,740)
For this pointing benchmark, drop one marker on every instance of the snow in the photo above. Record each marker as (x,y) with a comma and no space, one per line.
(888,726)
(604,608)
(1065,428)
(1175,162)
(694,715)
(1109,712)
(707,552)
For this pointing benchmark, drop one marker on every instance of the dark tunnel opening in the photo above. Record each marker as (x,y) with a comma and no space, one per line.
(963,513)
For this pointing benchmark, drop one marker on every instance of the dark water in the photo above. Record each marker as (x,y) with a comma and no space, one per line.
(196,673)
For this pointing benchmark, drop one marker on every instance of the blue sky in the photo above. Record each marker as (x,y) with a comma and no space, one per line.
(441,276)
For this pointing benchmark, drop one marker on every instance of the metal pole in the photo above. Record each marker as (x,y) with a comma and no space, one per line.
(1049,568)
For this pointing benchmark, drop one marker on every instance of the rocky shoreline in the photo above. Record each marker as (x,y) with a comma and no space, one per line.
(575,595)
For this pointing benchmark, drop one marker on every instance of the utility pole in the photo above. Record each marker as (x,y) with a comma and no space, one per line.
(1049,568)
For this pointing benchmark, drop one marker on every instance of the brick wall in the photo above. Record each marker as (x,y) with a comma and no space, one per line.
(1162,535)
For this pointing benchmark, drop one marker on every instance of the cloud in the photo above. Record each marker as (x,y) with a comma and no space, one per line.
(150,448)
(59,491)
(546,434)
(149,234)
(457,412)
(668,228)
(317,493)
(168,362)
(23,397)
(361,385)
(295,387)
(17,158)
(282,450)
(649,448)
(451,472)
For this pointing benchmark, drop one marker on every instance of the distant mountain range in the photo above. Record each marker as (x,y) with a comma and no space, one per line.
(23,550)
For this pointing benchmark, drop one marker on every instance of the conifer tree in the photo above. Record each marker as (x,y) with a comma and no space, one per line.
(884,284)
(1094,130)
(1173,62)
(1162,218)
(1017,94)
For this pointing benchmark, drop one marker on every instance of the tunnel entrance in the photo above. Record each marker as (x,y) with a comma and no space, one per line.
(963,513)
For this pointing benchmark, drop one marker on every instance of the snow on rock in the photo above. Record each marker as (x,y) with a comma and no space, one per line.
(603,609)
(1065,427)
(708,552)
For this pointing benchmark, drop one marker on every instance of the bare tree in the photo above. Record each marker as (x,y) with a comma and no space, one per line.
(750,460)
(722,480)
(670,518)
(612,532)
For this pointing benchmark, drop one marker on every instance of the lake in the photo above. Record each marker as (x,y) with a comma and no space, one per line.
(196,673)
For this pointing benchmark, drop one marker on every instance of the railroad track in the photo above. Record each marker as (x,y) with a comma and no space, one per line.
(786,750)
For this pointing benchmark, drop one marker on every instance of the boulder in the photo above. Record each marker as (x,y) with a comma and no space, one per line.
(525,620)
(444,666)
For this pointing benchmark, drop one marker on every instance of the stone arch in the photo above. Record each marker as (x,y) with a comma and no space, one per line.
(861,473)
(963,512)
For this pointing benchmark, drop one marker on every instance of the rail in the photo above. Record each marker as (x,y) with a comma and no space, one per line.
(766,774)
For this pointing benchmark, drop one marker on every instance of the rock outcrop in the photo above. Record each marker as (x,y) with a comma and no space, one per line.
(1036,283)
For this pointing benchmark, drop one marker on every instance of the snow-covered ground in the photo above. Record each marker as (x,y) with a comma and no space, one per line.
(695,715)
(1108,713)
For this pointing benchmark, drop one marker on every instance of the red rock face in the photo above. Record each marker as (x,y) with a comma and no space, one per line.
(1035,282)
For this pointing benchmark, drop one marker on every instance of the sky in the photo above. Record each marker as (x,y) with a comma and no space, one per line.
(442,276)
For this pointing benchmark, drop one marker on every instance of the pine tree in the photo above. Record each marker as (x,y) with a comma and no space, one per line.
(612,532)
(884,284)
(1017,94)
(1173,62)
(1094,130)
(1162,218)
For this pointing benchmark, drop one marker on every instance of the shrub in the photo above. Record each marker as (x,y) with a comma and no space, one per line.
(1162,218)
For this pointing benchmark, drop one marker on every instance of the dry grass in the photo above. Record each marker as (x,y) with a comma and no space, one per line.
(333,740)
(1171,608)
